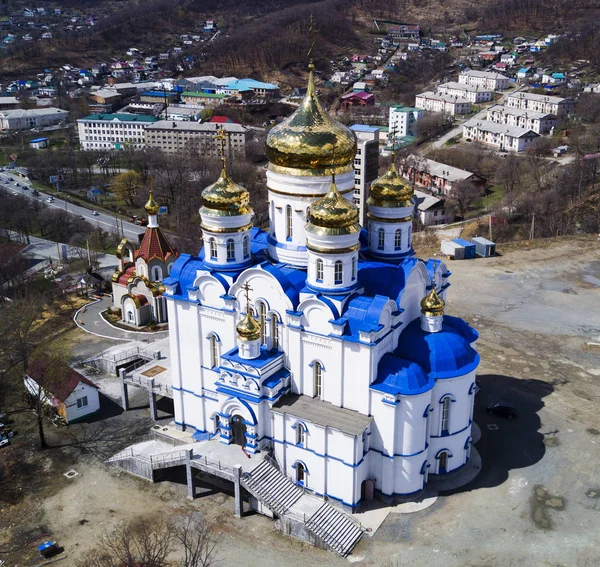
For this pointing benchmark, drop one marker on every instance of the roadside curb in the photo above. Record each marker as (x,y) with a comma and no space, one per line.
(87,330)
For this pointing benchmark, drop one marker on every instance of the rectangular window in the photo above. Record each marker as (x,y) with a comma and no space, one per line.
(82,402)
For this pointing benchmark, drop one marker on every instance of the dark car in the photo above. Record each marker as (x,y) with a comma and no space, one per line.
(503,409)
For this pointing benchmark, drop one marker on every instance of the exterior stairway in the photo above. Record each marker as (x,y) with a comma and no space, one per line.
(340,532)
(271,487)
(334,527)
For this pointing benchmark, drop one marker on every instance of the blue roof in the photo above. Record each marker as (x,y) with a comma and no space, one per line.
(38,140)
(363,314)
(272,381)
(291,280)
(523,70)
(380,278)
(463,242)
(363,128)
(445,354)
(265,357)
(399,376)
(250,84)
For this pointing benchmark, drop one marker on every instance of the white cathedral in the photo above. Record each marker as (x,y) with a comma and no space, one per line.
(320,339)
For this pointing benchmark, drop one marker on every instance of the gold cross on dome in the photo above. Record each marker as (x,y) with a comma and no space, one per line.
(311,34)
(247,289)
(222,137)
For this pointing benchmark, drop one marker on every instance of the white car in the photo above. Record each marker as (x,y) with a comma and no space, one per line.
(50,199)
(95,213)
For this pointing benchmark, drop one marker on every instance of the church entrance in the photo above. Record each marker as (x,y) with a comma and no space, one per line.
(238,430)
(443,462)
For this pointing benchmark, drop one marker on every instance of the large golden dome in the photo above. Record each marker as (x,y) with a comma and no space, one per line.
(310,137)
(225,197)
(248,328)
(432,304)
(390,190)
(333,214)
(151,206)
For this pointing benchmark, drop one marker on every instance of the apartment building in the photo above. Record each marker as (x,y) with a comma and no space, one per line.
(175,136)
(472,93)
(403,118)
(500,136)
(539,122)
(366,165)
(445,103)
(113,131)
(486,79)
(541,103)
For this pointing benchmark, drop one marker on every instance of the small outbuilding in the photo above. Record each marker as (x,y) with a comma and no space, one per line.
(39,143)
(73,395)
(484,247)
(468,246)
(453,250)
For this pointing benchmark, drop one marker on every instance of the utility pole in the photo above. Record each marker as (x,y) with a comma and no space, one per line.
(490,222)
(88,252)
(532,231)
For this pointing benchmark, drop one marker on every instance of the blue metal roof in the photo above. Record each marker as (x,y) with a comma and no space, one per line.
(445,354)
(363,128)
(265,357)
(291,279)
(38,140)
(463,242)
(380,278)
(399,376)
(363,314)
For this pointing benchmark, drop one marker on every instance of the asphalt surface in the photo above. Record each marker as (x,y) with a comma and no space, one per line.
(106,222)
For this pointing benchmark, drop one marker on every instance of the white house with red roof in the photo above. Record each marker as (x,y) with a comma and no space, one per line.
(72,395)
(137,288)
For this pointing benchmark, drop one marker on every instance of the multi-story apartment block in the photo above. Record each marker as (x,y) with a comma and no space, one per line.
(541,103)
(474,94)
(403,118)
(175,136)
(366,165)
(113,131)
(448,104)
(539,122)
(500,136)
(485,79)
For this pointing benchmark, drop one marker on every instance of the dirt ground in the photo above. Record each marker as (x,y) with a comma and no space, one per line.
(535,502)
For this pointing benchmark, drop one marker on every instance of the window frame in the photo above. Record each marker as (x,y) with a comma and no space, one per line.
(338,272)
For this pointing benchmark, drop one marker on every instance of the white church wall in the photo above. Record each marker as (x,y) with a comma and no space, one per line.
(411,424)
(118,292)
(357,360)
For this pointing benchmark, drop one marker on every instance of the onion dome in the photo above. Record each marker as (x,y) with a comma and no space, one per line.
(332,214)
(151,206)
(390,190)
(432,304)
(225,197)
(307,138)
(248,328)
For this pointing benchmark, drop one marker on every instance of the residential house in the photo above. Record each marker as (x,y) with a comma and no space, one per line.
(72,395)
(445,103)
(360,86)
(525,73)
(21,119)
(204,99)
(105,96)
(404,32)
(553,78)
(402,120)
(591,88)
(487,79)
(500,136)
(437,177)
(341,77)
(431,210)
(508,58)
(541,103)
(539,122)
(357,99)
(474,94)
(8,102)
(112,131)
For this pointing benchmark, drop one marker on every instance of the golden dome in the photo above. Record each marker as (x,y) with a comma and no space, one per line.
(225,197)
(390,190)
(333,213)
(432,304)
(248,328)
(151,206)
(309,137)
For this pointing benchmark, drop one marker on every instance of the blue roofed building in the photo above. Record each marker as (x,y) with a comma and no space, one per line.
(321,340)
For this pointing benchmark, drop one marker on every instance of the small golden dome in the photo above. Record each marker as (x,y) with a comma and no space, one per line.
(307,139)
(248,328)
(432,304)
(225,197)
(333,213)
(151,206)
(390,190)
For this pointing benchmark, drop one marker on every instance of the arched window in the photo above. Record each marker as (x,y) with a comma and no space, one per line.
(230,250)
(288,222)
(337,274)
(300,435)
(353,269)
(275,330)
(300,473)
(213,249)
(320,270)
(380,239)
(318,379)
(445,419)
(246,247)
(214,351)
(262,314)
(398,239)
(156,273)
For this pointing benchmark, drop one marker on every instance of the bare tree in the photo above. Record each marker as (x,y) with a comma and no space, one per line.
(463,195)
(198,543)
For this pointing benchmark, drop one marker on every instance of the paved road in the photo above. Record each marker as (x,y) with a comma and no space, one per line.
(90,320)
(21,186)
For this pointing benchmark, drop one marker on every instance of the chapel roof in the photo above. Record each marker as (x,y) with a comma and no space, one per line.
(155,245)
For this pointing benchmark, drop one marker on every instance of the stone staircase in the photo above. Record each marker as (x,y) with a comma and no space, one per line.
(336,528)
(271,487)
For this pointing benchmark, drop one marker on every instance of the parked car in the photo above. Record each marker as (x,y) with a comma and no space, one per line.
(502,409)
(95,213)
